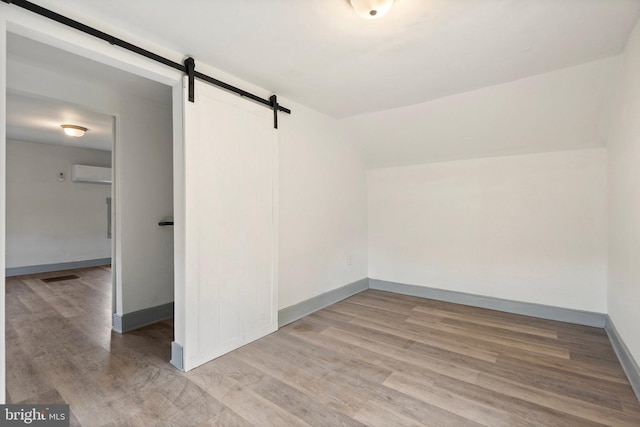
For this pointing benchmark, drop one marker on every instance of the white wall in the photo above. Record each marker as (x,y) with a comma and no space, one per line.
(143,176)
(528,228)
(144,185)
(624,200)
(49,221)
(3,145)
(562,110)
(322,206)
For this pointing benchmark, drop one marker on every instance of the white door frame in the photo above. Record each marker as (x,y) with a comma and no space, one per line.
(24,23)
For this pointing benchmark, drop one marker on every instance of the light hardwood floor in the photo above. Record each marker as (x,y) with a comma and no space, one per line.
(374,359)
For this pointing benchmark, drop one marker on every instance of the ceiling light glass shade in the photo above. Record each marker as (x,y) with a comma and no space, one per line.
(371,9)
(73,130)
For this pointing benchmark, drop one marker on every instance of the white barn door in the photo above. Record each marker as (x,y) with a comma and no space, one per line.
(230,253)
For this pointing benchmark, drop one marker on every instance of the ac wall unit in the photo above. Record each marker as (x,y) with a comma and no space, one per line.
(90,174)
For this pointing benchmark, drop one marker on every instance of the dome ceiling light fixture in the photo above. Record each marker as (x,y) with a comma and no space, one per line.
(74,130)
(371,9)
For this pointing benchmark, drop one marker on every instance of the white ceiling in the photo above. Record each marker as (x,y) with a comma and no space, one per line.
(320,53)
(37,119)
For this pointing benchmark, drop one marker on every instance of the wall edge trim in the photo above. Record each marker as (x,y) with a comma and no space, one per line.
(123,323)
(629,364)
(304,308)
(60,266)
(560,314)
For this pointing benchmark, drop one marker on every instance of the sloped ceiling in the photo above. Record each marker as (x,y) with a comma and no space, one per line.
(567,109)
(320,53)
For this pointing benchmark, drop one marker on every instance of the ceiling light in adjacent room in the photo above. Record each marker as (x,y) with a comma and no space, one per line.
(73,130)
(371,9)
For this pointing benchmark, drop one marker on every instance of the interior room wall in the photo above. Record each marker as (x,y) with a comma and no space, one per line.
(143,176)
(144,182)
(50,221)
(323,210)
(624,200)
(529,228)
(478,210)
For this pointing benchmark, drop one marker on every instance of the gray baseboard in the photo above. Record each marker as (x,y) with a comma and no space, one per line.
(304,308)
(130,321)
(46,268)
(177,355)
(580,317)
(629,364)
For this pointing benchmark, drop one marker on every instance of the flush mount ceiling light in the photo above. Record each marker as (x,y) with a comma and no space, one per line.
(371,9)
(73,130)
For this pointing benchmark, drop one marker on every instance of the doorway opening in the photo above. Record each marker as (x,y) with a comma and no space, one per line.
(110,261)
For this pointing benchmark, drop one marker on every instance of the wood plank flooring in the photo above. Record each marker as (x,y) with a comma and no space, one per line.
(375,359)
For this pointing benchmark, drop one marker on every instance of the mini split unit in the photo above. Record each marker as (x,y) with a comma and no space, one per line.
(90,174)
